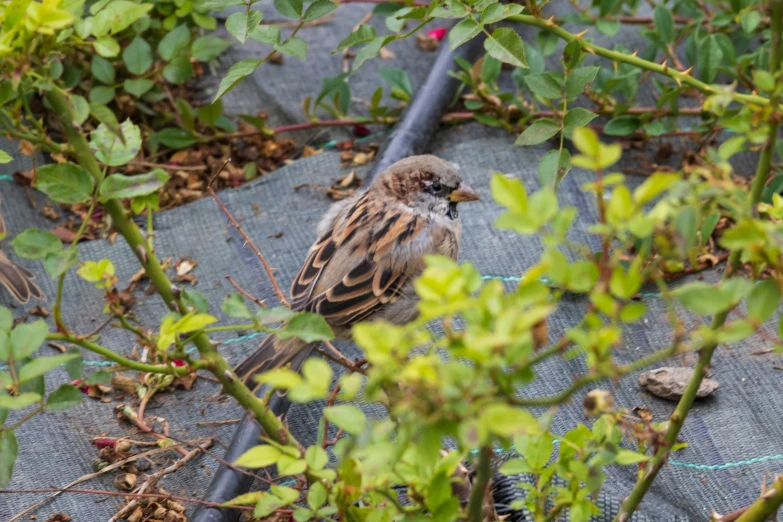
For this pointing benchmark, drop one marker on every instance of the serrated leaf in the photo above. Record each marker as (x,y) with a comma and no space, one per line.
(295,47)
(496,12)
(65,397)
(622,126)
(462,32)
(318,9)
(346,416)
(42,365)
(664,23)
(268,34)
(577,117)
(138,56)
(763,300)
(209,47)
(119,186)
(236,74)
(26,338)
(137,88)
(110,149)
(65,182)
(506,45)
(234,306)
(174,42)
(307,326)
(259,457)
(36,244)
(9,451)
(579,78)
(553,167)
(701,298)
(544,85)
(289,8)
(540,131)
(241,24)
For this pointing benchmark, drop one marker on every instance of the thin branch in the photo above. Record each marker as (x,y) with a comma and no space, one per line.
(766,505)
(248,241)
(198,168)
(244,292)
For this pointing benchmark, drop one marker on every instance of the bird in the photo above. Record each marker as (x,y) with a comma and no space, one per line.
(368,251)
(16,279)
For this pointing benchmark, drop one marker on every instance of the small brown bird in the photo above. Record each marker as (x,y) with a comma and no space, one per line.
(18,280)
(369,250)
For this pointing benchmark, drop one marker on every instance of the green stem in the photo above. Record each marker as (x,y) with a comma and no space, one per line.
(766,505)
(122,361)
(679,77)
(583,381)
(479,490)
(24,419)
(211,358)
(677,418)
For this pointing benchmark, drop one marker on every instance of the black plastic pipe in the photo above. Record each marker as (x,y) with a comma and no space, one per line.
(412,135)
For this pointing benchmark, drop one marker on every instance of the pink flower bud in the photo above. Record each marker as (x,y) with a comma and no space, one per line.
(438,33)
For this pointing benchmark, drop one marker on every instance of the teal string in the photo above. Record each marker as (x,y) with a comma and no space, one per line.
(6,177)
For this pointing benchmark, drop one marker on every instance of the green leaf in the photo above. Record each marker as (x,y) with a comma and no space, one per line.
(110,150)
(36,244)
(764,80)
(138,56)
(703,299)
(318,9)
(346,416)
(101,95)
(277,314)
(241,24)
(19,402)
(553,167)
(57,263)
(306,326)
(365,33)
(236,74)
(178,71)
(105,116)
(316,495)
(626,457)
(288,465)
(209,47)
(708,58)
(99,377)
(506,46)
(65,397)
(6,319)
(137,88)
(234,306)
(370,51)
(209,114)
(174,42)
(664,23)
(119,186)
(220,4)
(608,27)
(544,85)
(496,12)
(577,117)
(399,81)
(654,185)
(5,347)
(9,450)
(41,365)
(579,79)
(515,467)
(268,34)
(75,366)
(504,420)
(259,457)
(316,457)
(107,47)
(763,300)
(5,157)
(750,21)
(289,8)
(102,70)
(176,138)
(509,192)
(622,126)
(462,32)
(536,449)
(247,498)
(540,131)
(632,312)
(65,183)
(295,47)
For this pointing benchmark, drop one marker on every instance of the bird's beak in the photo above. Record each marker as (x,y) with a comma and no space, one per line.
(463,193)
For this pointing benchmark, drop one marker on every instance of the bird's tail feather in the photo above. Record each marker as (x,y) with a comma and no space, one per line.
(271,354)
(19,281)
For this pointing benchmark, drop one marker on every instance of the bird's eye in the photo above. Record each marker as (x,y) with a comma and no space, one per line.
(436,187)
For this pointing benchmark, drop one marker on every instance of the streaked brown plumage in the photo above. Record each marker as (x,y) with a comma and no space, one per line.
(16,279)
(369,249)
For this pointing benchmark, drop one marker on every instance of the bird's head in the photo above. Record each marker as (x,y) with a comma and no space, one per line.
(425,183)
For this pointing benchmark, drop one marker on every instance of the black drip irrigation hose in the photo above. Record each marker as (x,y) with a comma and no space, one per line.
(412,135)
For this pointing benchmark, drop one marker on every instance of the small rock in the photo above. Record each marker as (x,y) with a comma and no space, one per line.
(670,383)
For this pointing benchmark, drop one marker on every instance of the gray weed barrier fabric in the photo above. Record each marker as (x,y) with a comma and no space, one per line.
(735,436)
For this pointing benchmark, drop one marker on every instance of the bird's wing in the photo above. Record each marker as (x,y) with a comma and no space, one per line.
(18,281)
(362,261)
